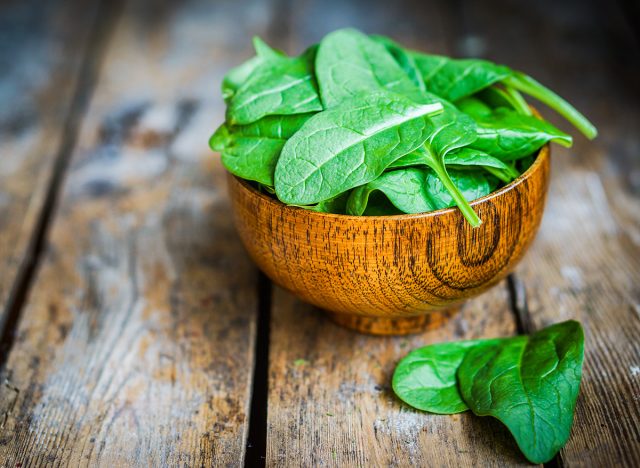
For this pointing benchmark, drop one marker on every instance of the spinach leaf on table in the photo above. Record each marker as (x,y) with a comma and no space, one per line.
(426,377)
(251,151)
(405,189)
(350,63)
(278,86)
(350,145)
(530,384)
(508,135)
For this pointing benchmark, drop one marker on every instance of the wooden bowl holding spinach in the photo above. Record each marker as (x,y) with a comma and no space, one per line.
(383,184)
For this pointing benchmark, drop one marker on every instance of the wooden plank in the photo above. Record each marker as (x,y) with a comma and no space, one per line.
(329,398)
(136,345)
(41,52)
(585,263)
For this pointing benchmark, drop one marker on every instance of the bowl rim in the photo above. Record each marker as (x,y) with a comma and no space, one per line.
(543,155)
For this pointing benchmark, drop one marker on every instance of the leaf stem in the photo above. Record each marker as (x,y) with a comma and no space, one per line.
(529,86)
(462,203)
(517,101)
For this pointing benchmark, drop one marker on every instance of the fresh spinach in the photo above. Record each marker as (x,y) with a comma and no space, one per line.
(236,77)
(350,63)
(277,86)
(529,383)
(251,151)
(508,135)
(337,123)
(405,189)
(350,145)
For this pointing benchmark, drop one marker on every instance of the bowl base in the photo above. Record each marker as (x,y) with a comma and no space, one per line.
(393,326)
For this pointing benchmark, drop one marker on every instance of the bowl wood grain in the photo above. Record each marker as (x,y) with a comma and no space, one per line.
(391,274)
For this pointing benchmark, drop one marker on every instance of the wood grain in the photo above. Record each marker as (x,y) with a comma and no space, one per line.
(330,401)
(41,55)
(383,271)
(585,263)
(136,345)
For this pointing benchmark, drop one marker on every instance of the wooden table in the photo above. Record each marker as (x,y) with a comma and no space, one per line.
(135,330)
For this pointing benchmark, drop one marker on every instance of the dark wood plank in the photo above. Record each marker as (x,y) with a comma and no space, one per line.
(42,47)
(330,401)
(136,345)
(585,263)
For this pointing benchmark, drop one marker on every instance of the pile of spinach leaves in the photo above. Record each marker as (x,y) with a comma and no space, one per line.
(359,115)
(529,383)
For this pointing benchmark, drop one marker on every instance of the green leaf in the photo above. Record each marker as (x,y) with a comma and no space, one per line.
(406,61)
(508,135)
(530,384)
(276,87)
(473,106)
(454,79)
(237,76)
(426,377)
(471,185)
(251,151)
(350,145)
(403,187)
(337,204)
(350,63)
(473,157)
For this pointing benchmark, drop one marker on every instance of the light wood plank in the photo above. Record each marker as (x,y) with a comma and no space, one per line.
(136,346)
(40,57)
(585,263)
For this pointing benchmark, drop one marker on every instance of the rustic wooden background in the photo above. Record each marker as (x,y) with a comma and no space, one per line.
(134,329)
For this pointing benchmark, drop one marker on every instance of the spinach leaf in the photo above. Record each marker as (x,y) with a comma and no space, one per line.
(471,185)
(337,204)
(530,384)
(426,377)
(279,86)
(238,75)
(454,79)
(473,106)
(508,135)
(350,145)
(251,151)
(350,63)
(404,188)
(406,61)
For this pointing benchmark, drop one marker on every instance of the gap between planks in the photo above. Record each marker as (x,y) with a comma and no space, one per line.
(104,20)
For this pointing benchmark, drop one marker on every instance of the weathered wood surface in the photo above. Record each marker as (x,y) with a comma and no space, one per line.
(136,344)
(585,263)
(41,53)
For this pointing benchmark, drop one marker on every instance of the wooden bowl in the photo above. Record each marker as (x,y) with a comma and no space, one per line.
(391,274)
